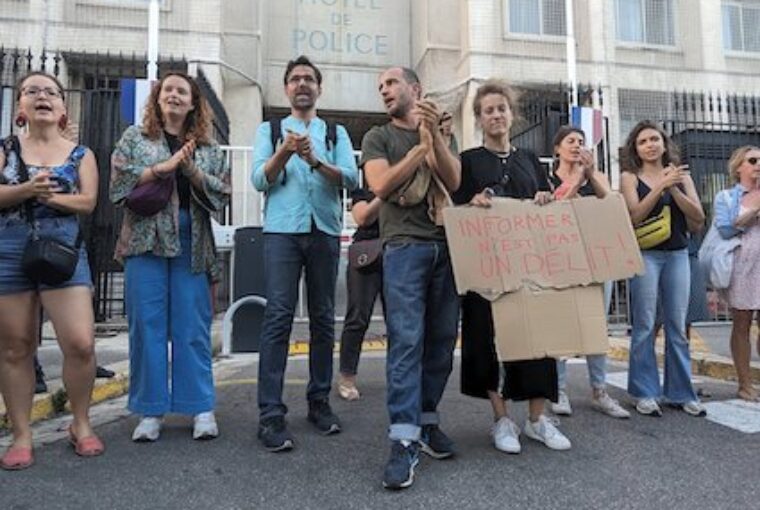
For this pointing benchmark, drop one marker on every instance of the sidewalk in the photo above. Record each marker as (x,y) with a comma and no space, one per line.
(710,357)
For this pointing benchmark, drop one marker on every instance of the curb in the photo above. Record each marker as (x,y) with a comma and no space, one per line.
(50,404)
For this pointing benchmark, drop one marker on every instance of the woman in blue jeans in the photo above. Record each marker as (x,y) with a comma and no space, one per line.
(170,257)
(574,175)
(653,184)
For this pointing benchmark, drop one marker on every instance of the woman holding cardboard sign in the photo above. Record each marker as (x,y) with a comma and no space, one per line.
(574,174)
(663,203)
(499,169)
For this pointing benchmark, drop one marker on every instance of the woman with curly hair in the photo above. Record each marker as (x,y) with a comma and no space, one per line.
(169,257)
(658,189)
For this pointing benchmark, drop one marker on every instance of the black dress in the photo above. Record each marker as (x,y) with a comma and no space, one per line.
(517,174)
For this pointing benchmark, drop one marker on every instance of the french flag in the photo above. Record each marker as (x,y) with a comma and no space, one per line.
(134,94)
(590,121)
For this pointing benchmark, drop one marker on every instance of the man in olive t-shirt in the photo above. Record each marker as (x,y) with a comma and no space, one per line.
(422,306)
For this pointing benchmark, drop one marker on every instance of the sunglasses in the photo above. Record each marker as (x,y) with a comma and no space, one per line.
(753,161)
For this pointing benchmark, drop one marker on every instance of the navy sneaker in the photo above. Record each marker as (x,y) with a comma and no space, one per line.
(399,471)
(321,415)
(435,443)
(274,435)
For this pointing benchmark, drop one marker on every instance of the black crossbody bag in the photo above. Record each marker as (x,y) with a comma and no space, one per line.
(46,260)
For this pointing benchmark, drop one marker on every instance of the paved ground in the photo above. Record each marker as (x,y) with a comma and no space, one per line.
(676,461)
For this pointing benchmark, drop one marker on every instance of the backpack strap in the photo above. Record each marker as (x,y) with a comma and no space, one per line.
(331,136)
(275,136)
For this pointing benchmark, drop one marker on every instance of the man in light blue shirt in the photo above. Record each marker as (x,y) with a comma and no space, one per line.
(302,174)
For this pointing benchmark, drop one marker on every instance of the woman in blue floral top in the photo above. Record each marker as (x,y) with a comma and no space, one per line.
(62,183)
(169,257)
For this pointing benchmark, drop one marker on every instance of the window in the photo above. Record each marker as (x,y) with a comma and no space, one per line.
(538,17)
(741,26)
(645,21)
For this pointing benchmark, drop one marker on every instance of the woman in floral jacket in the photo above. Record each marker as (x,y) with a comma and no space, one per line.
(169,257)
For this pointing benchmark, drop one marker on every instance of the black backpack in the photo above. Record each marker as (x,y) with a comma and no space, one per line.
(275,135)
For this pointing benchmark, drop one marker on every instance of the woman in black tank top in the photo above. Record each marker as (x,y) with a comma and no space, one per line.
(652,181)
(573,175)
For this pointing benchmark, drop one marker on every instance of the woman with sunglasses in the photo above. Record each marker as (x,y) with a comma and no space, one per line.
(62,183)
(737,213)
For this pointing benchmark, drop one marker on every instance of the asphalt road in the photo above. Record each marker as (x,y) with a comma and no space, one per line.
(675,462)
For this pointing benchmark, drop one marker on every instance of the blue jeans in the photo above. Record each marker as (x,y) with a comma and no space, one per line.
(595,363)
(666,277)
(285,256)
(164,299)
(422,314)
(597,371)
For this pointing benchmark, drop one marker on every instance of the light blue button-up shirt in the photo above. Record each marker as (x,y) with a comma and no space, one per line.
(306,194)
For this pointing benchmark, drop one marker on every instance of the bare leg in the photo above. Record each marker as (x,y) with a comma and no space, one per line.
(536,408)
(19,315)
(70,310)
(498,405)
(741,351)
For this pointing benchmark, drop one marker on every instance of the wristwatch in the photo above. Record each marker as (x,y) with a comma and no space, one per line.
(316,165)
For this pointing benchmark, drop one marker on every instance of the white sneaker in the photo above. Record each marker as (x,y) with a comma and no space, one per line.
(609,406)
(694,408)
(205,426)
(506,435)
(562,407)
(648,407)
(543,431)
(147,430)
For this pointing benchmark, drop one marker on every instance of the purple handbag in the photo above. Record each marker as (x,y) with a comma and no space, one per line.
(151,197)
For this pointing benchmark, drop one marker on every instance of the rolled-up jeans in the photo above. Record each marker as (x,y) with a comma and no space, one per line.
(422,314)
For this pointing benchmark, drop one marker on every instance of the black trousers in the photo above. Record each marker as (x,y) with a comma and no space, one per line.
(523,380)
(363,289)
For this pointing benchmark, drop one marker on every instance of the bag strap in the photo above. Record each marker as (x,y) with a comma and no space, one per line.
(23,173)
(275,136)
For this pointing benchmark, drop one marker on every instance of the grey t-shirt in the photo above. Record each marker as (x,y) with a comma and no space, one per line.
(398,223)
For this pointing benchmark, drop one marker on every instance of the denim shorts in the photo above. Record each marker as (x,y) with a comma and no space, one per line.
(14,234)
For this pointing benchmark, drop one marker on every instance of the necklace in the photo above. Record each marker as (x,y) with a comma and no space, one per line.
(502,155)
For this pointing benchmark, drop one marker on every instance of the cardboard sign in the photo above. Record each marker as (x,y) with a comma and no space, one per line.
(554,323)
(533,262)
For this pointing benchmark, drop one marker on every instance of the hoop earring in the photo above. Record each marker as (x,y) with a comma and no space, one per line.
(20,120)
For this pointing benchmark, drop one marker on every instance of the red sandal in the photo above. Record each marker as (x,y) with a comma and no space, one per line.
(90,446)
(17,458)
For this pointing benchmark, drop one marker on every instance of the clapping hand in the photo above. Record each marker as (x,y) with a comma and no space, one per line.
(674,175)
(587,163)
(42,186)
(428,114)
(302,146)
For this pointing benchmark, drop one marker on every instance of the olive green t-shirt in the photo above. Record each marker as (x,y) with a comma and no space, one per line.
(399,223)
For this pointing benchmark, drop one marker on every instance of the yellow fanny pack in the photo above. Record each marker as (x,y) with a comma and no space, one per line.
(655,230)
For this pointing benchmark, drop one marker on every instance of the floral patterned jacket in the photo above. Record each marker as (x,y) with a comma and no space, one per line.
(159,233)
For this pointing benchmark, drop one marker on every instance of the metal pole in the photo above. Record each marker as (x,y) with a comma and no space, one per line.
(152,69)
(570,49)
